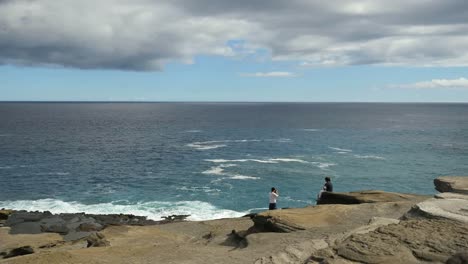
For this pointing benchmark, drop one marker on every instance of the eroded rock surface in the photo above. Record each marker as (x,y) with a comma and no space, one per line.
(411,241)
(372,196)
(454,209)
(340,218)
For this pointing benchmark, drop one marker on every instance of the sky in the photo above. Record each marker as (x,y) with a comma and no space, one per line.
(224,50)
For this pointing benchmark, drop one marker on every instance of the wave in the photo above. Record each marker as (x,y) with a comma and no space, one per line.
(6,167)
(204,146)
(198,189)
(214,144)
(219,170)
(193,131)
(154,210)
(271,160)
(54,173)
(369,157)
(340,149)
(310,129)
(324,165)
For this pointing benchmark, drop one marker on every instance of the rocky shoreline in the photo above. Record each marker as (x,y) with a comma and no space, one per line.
(355,227)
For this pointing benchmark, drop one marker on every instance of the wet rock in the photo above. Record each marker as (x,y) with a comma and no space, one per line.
(360,197)
(173,218)
(97,240)
(456,184)
(26,250)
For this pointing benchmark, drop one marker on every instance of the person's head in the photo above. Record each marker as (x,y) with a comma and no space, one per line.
(273,189)
(327,179)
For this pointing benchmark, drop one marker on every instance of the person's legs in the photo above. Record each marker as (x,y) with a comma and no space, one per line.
(272,206)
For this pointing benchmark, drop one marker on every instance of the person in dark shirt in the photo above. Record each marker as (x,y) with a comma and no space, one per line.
(328,187)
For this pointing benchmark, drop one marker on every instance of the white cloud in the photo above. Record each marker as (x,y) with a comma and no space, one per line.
(147,34)
(460,83)
(269,74)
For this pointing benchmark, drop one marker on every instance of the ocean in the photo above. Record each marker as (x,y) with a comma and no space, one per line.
(216,160)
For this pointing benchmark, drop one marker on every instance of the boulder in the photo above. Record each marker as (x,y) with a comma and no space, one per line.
(454,209)
(456,184)
(372,196)
(97,240)
(4,213)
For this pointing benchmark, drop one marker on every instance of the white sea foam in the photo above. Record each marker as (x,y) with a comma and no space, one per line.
(153,210)
(271,160)
(324,165)
(340,149)
(288,160)
(310,129)
(198,189)
(53,173)
(5,167)
(204,146)
(243,177)
(219,170)
(214,144)
(193,131)
(369,157)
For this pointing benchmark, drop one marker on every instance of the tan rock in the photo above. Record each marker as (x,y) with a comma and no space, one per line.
(456,184)
(411,241)
(450,195)
(454,209)
(335,216)
(372,196)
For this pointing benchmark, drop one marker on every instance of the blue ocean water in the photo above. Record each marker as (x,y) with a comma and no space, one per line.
(214,160)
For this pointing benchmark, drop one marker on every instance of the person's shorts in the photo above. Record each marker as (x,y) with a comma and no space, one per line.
(272,206)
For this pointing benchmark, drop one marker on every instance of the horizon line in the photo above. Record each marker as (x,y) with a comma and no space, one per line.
(234,102)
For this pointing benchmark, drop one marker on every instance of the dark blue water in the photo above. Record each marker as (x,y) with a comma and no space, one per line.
(216,160)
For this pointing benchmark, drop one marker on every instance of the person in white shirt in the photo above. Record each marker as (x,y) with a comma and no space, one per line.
(273,195)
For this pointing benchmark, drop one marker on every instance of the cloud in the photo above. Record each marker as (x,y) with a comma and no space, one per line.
(145,35)
(460,83)
(269,74)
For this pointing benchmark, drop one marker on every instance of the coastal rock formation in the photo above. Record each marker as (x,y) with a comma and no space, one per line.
(369,229)
(455,184)
(454,209)
(70,226)
(411,241)
(336,216)
(372,196)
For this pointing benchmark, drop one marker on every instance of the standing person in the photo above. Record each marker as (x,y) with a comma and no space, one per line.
(273,195)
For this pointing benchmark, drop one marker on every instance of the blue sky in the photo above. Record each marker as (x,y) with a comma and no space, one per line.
(172,51)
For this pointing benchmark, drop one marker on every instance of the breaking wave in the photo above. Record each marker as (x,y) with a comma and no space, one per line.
(154,210)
